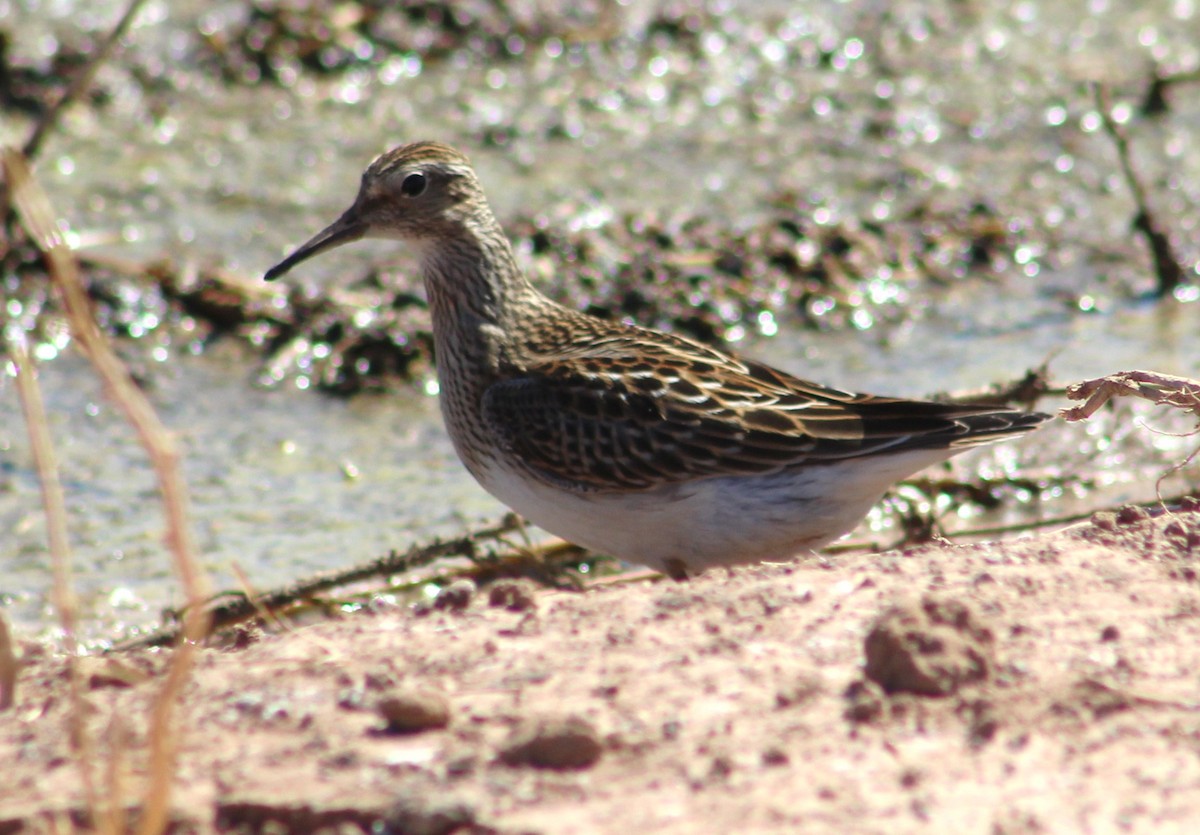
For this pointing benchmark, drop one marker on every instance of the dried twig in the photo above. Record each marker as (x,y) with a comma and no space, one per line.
(39,221)
(1166,261)
(1163,389)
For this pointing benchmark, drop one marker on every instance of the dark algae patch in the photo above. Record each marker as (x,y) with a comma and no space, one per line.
(693,274)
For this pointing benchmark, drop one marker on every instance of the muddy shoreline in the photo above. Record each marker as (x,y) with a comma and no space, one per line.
(738,701)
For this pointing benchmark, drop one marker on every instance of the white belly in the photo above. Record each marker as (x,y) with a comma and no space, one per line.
(715,521)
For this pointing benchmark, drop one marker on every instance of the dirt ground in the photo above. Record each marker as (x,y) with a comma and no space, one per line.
(1055,677)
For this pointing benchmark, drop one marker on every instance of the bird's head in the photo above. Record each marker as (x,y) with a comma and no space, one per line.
(416,193)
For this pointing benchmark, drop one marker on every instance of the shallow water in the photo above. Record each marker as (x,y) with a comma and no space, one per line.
(283,484)
(863,107)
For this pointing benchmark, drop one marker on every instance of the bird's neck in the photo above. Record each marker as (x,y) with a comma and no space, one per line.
(477,296)
(474,274)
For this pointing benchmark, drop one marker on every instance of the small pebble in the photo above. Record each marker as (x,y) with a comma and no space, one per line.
(1131,514)
(1105,520)
(799,690)
(865,701)
(553,742)
(514,595)
(416,709)
(931,646)
(455,597)
(775,756)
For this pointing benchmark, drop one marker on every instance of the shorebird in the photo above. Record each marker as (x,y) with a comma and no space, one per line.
(632,442)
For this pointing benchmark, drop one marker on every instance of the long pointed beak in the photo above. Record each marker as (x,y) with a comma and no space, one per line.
(346,229)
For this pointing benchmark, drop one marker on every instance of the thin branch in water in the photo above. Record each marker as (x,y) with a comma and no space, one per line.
(80,83)
(1025,391)
(856,546)
(255,599)
(229,609)
(1021,527)
(1166,262)
(1154,103)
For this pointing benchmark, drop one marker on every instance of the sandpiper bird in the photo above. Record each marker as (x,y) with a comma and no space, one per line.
(632,442)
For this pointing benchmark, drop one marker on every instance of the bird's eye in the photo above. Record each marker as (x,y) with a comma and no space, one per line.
(413,185)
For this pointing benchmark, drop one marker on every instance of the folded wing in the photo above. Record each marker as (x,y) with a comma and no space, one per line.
(620,413)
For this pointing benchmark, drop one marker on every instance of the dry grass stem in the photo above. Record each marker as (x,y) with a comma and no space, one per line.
(114,778)
(60,559)
(9,665)
(39,220)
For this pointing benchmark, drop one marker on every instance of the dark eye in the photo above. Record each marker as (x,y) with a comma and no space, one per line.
(413,185)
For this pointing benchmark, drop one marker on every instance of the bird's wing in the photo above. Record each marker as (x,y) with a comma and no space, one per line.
(622,413)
